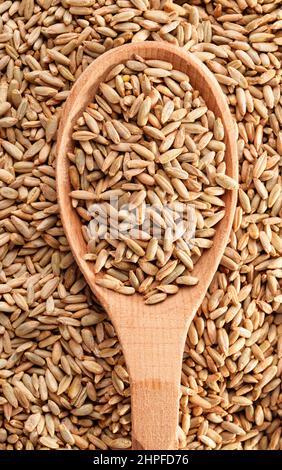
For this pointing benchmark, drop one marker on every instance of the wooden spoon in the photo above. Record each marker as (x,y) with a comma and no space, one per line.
(152,337)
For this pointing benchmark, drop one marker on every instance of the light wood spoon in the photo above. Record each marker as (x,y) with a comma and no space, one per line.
(152,337)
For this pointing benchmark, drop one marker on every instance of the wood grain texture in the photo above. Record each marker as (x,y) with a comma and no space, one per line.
(152,337)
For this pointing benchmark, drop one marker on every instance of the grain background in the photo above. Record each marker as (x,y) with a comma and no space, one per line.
(63,381)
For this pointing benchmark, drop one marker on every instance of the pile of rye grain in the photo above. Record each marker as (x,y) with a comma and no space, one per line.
(63,381)
(149,163)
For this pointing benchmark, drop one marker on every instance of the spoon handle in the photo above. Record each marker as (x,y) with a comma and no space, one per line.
(153,348)
(155,405)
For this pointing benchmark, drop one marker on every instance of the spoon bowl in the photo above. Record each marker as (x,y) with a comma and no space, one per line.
(152,337)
